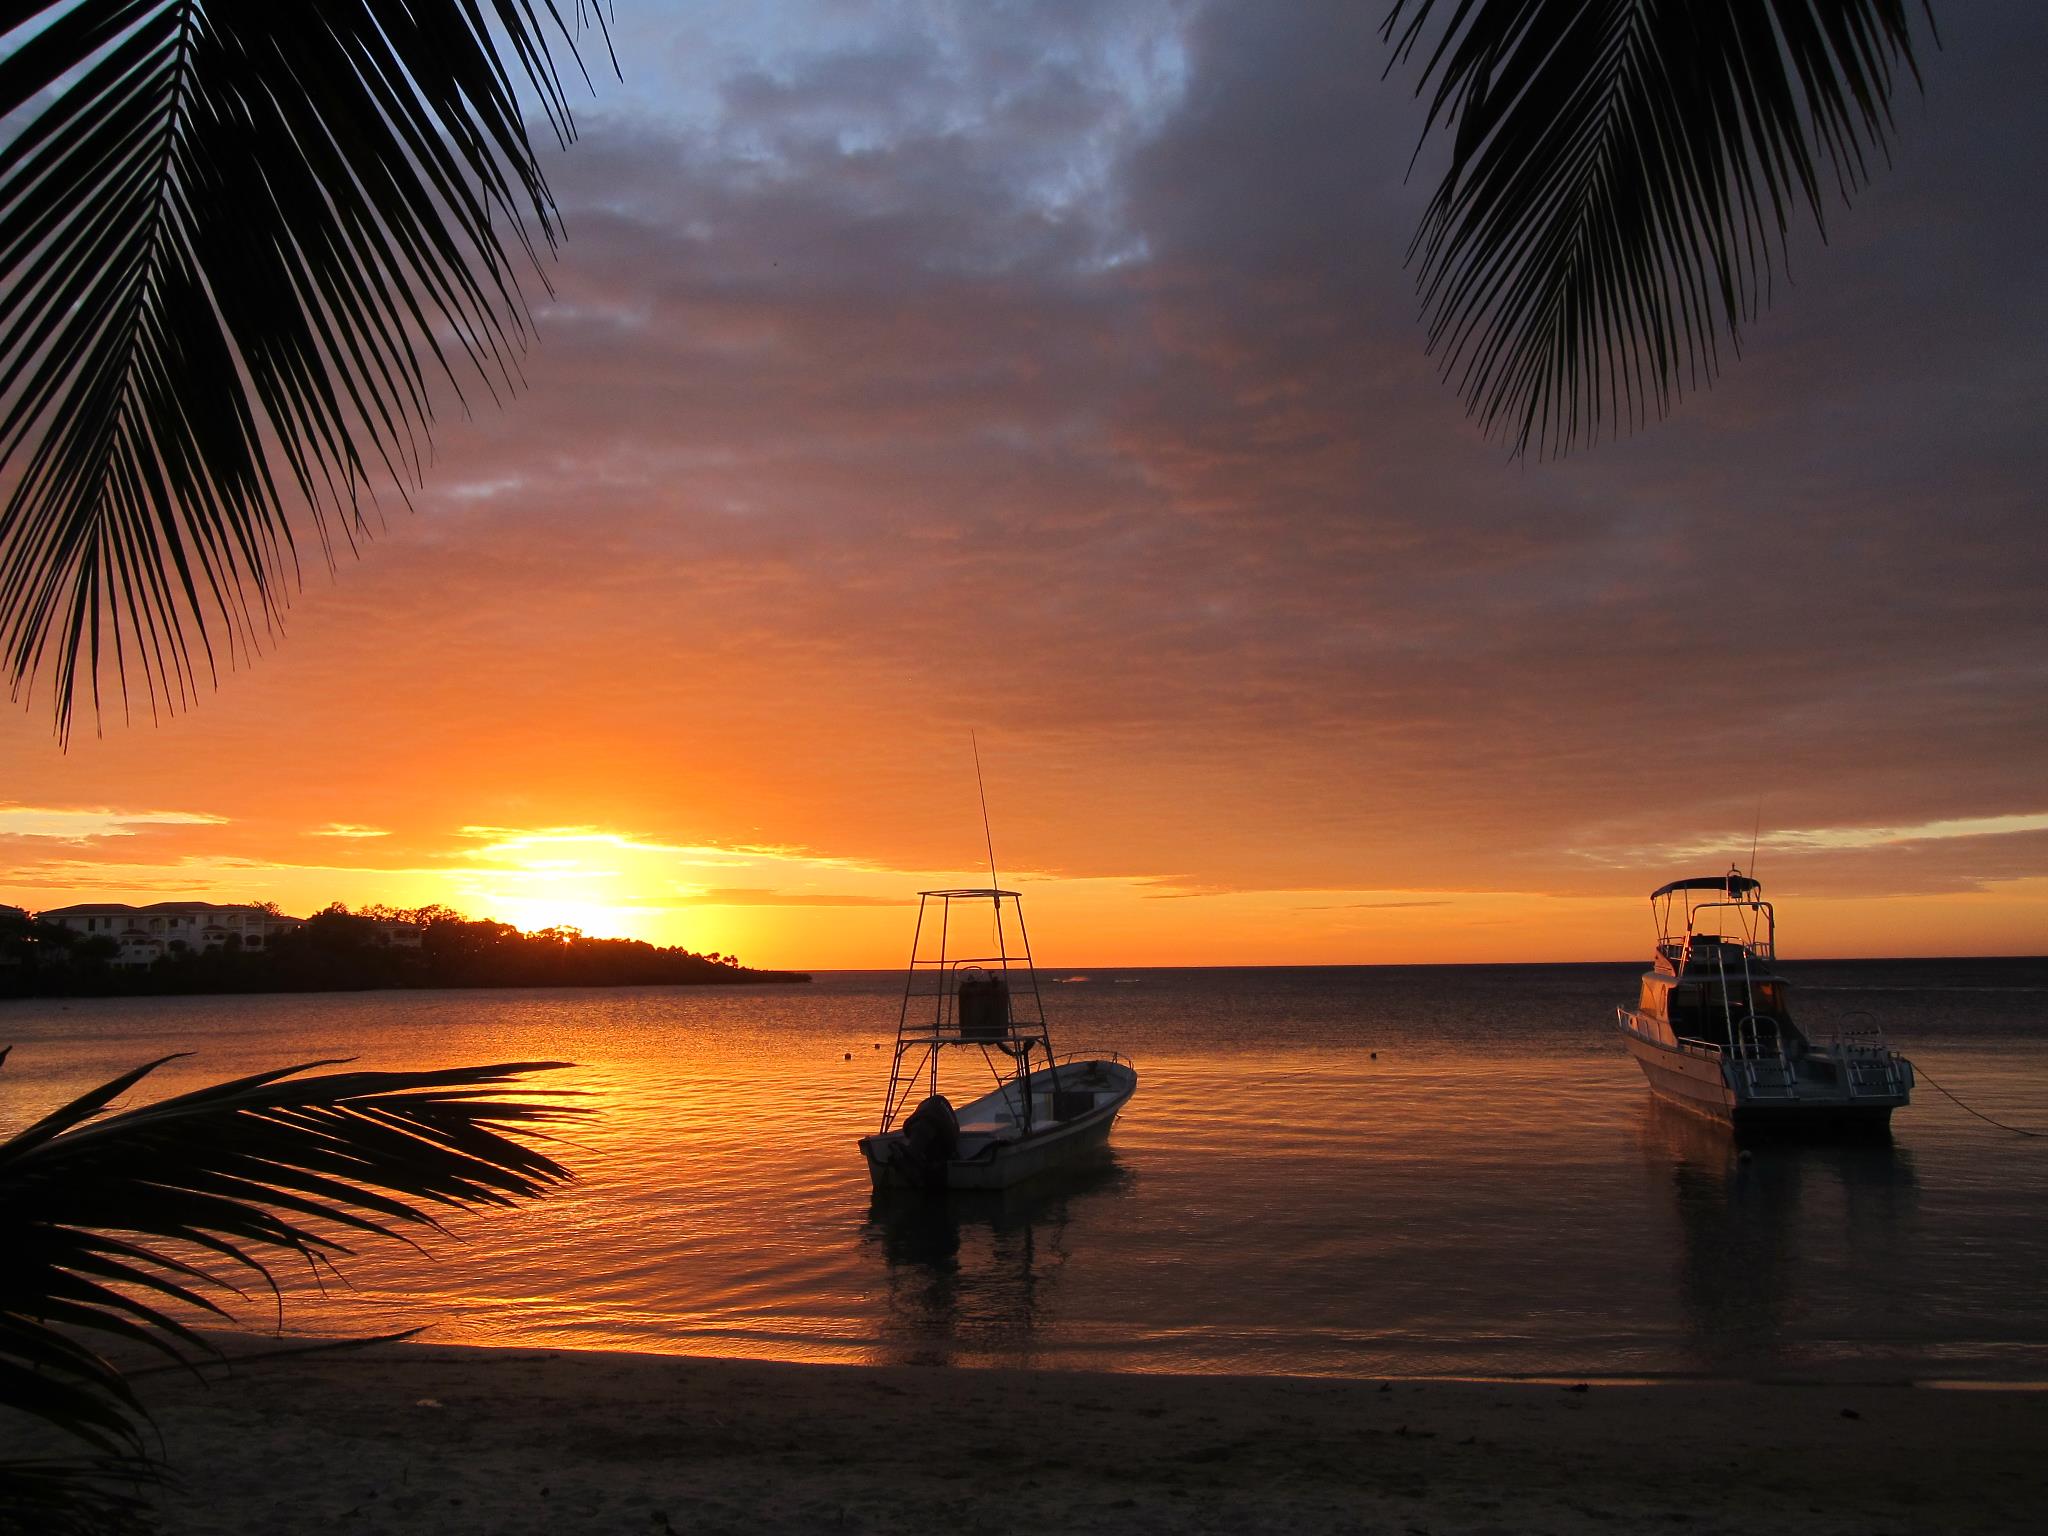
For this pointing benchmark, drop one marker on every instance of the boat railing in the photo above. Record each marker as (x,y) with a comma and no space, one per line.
(1714,949)
(1759,1052)
(1858,1033)
(1705,1049)
(1858,1047)
(1758,1037)
(1070,1057)
(994,962)
(1889,1074)
(1756,923)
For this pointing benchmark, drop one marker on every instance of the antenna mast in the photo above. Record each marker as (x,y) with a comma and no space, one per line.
(1755,836)
(987,836)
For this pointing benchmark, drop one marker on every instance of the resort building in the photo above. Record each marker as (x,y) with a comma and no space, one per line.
(146,934)
(394,934)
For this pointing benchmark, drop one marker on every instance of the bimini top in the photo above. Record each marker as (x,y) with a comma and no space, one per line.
(1735,885)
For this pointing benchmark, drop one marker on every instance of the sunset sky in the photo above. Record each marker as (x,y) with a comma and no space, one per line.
(1052,372)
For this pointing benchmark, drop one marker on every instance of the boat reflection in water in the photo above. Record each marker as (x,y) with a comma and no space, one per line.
(1784,1249)
(972,1275)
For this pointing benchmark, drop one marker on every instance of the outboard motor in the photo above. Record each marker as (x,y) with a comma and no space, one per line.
(984,1002)
(932,1133)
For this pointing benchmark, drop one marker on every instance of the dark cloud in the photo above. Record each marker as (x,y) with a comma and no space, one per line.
(1206,514)
(1042,373)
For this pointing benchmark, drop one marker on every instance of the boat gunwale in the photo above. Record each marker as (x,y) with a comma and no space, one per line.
(1686,1044)
(1025,1142)
(1040,1133)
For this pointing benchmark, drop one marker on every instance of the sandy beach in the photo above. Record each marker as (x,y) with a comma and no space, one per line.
(418,1438)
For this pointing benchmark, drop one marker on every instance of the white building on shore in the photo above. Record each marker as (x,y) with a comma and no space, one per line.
(146,934)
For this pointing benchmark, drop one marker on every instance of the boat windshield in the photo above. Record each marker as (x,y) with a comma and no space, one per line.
(1708,1010)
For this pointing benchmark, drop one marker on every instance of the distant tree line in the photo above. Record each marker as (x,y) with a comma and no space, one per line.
(337,950)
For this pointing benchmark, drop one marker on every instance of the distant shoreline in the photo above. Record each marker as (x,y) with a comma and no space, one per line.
(334,950)
(269,987)
(254,951)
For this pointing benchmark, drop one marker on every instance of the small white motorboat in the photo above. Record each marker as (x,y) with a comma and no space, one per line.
(1712,1027)
(1041,1113)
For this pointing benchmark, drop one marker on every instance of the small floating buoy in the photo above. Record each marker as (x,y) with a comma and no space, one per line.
(1744,1155)
(1375,1055)
(849,1055)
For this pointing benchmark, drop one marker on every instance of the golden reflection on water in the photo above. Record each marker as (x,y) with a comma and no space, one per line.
(974,1278)
(1751,1218)
(1324,1189)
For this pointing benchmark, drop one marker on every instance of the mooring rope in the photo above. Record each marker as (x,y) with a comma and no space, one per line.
(1921,1073)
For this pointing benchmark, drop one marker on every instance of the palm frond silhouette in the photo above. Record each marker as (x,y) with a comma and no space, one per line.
(114,1224)
(240,241)
(1623,177)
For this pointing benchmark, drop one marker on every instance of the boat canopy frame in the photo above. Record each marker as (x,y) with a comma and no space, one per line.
(1676,903)
(933,1017)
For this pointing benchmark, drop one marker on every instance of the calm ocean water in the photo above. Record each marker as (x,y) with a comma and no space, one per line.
(1383,1171)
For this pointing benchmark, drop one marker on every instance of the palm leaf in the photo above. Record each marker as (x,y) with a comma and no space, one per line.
(102,1496)
(1622,179)
(108,1221)
(233,237)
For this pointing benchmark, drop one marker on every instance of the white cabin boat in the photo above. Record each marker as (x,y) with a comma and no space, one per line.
(1712,1028)
(984,1011)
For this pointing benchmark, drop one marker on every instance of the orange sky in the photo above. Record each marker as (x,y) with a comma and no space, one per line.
(1061,381)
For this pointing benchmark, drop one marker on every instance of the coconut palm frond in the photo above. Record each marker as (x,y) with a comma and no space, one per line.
(102,1496)
(239,239)
(1623,175)
(115,1223)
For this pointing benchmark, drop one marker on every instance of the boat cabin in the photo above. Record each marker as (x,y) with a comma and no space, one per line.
(1707,1008)
(1711,986)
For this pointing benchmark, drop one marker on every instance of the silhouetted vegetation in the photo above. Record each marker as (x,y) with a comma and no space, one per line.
(342,951)
(111,1219)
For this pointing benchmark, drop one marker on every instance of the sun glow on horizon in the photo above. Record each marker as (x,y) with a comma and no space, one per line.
(533,914)
(778,906)
(557,877)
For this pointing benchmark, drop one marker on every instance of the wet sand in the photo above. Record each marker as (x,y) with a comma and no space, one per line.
(417,1438)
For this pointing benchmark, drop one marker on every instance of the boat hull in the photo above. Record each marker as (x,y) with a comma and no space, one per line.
(1005,1159)
(1699,1081)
